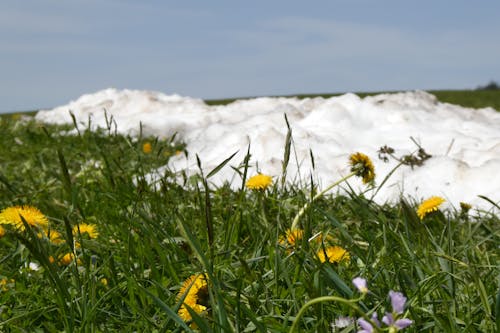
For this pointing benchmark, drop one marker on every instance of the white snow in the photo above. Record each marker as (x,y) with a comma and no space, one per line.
(464,143)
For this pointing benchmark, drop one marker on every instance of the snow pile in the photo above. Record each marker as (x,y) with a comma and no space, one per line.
(464,143)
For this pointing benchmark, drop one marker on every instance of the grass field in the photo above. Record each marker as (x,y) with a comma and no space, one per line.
(118,254)
(467,98)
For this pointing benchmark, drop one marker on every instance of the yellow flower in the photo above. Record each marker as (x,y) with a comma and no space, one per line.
(428,206)
(32,216)
(363,167)
(195,293)
(54,236)
(333,254)
(147,148)
(67,259)
(6,284)
(86,228)
(259,182)
(2,231)
(292,236)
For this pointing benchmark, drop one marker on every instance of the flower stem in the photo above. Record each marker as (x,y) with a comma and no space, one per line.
(308,204)
(351,303)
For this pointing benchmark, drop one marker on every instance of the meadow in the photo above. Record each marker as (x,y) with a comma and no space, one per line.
(88,245)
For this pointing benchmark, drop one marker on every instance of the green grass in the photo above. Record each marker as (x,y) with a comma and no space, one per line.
(467,98)
(152,238)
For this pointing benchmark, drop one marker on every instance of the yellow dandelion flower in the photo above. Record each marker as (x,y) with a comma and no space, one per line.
(323,239)
(428,206)
(195,293)
(86,228)
(51,259)
(6,284)
(104,281)
(32,216)
(292,236)
(259,182)
(54,236)
(147,148)
(67,259)
(363,167)
(2,231)
(333,254)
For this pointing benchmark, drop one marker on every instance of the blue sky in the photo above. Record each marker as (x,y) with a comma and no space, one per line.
(53,51)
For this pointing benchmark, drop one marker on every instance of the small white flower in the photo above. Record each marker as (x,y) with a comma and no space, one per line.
(342,322)
(34,266)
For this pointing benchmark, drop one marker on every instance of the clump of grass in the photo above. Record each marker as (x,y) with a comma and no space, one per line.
(261,273)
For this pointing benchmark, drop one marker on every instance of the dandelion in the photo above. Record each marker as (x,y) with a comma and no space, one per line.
(2,231)
(195,293)
(31,215)
(360,284)
(86,228)
(259,182)
(54,236)
(67,259)
(147,148)
(292,236)
(6,284)
(428,206)
(333,254)
(363,167)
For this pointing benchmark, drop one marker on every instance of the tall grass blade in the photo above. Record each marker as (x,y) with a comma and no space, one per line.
(65,172)
(221,165)
(489,200)
(286,155)
(171,313)
(75,123)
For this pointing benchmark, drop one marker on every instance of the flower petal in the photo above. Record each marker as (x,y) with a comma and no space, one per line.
(398,301)
(403,323)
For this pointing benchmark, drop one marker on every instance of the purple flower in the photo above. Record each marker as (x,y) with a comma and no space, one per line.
(403,323)
(366,326)
(399,324)
(398,301)
(375,319)
(360,283)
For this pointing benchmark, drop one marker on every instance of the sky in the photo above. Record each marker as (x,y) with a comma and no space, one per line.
(52,51)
